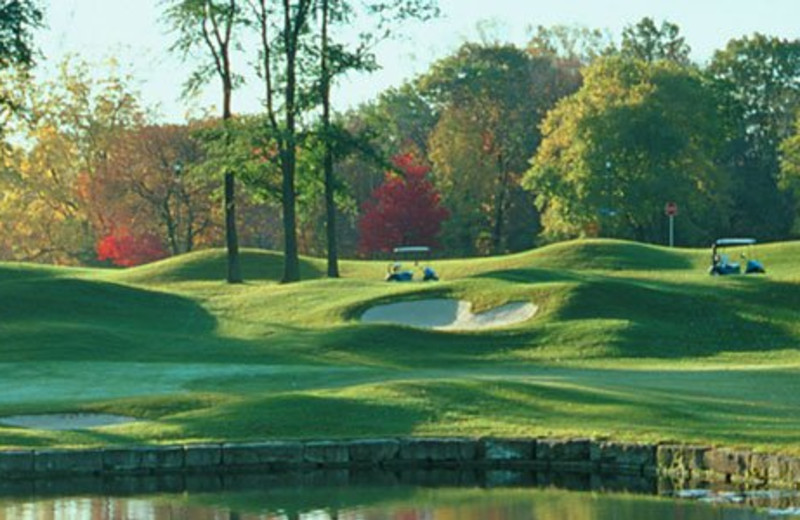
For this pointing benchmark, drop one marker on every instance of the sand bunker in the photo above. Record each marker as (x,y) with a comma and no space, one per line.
(443,314)
(65,421)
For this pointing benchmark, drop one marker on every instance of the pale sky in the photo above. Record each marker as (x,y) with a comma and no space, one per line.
(130,31)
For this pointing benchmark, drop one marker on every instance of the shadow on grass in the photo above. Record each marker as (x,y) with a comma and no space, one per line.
(72,319)
(83,301)
(603,406)
(669,320)
(534,275)
(65,438)
(656,318)
(289,416)
(13,272)
(693,407)
(391,346)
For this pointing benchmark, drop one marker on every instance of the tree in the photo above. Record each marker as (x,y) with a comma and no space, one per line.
(789,177)
(18,20)
(635,136)
(148,186)
(490,99)
(404,210)
(399,121)
(575,46)
(335,60)
(278,66)
(72,122)
(210,24)
(647,42)
(325,95)
(758,83)
(124,248)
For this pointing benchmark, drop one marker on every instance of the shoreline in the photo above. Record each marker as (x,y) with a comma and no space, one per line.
(674,462)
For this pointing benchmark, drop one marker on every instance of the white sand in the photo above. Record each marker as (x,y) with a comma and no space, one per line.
(443,314)
(65,421)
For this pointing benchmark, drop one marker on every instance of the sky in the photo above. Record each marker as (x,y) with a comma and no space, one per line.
(131,32)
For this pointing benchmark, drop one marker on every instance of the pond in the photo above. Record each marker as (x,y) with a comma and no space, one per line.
(374,497)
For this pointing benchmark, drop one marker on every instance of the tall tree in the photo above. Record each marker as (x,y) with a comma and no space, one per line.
(73,121)
(337,59)
(635,136)
(210,25)
(18,20)
(149,175)
(282,31)
(758,80)
(325,93)
(789,178)
(490,99)
(648,42)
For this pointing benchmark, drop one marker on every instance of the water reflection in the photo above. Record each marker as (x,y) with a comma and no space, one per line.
(371,503)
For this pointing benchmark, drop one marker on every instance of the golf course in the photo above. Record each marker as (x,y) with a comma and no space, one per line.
(629,342)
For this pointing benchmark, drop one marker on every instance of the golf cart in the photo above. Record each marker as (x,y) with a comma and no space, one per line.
(721,263)
(395,271)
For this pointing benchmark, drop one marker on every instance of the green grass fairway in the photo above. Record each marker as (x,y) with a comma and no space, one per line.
(631,341)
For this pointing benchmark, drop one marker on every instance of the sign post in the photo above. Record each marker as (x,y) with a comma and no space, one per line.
(671,209)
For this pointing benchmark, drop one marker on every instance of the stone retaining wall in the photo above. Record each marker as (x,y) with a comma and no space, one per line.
(560,455)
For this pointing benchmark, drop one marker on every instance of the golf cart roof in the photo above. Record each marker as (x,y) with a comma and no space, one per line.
(412,249)
(735,241)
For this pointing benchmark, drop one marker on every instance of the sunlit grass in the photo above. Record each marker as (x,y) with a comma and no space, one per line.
(631,341)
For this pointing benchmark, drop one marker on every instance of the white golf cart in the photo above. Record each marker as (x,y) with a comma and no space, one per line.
(721,263)
(395,271)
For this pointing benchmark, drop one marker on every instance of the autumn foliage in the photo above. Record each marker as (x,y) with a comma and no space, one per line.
(126,249)
(405,210)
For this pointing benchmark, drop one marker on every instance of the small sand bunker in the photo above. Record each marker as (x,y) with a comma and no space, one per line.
(65,421)
(444,314)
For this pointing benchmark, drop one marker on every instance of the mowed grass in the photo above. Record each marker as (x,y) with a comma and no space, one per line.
(631,342)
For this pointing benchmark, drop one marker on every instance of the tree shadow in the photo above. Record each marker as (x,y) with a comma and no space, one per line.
(603,404)
(667,320)
(14,272)
(300,416)
(656,318)
(533,275)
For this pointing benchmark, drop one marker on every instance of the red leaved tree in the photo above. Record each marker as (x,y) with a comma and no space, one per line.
(125,249)
(405,210)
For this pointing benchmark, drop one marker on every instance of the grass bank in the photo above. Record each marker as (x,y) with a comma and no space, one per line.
(631,341)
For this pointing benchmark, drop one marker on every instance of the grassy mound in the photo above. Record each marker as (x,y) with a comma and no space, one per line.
(211,265)
(630,341)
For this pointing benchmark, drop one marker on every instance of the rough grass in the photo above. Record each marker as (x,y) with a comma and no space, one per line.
(631,341)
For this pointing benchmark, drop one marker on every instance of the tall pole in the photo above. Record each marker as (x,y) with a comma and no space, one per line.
(671,209)
(672,231)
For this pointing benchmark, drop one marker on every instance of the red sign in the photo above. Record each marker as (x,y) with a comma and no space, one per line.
(671,209)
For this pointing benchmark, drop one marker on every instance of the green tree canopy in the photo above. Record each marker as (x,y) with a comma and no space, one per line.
(635,136)
(789,177)
(490,99)
(648,42)
(18,19)
(758,79)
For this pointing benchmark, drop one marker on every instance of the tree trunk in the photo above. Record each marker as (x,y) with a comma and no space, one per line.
(291,263)
(330,203)
(231,239)
(499,210)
